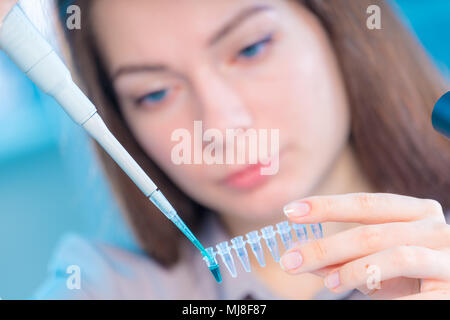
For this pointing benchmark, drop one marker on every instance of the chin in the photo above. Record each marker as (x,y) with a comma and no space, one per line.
(266,205)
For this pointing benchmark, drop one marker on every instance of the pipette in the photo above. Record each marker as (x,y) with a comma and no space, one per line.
(28,49)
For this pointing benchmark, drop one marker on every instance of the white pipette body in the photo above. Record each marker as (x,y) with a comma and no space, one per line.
(20,40)
(24,44)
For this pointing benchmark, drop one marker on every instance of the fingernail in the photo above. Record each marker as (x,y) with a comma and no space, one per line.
(291,260)
(332,281)
(296,209)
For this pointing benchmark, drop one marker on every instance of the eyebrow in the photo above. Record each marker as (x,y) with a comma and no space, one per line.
(137,68)
(236,21)
(223,32)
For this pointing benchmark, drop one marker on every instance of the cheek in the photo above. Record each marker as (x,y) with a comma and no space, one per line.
(314,99)
(305,103)
(155,139)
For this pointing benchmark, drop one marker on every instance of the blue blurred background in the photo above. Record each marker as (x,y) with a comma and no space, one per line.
(50,183)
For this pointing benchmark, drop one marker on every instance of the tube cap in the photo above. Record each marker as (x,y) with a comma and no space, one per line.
(441,115)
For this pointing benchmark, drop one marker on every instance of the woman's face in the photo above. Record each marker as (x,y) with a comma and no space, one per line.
(231,64)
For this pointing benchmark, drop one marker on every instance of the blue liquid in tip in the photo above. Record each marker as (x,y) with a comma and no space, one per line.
(162,204)
(216,272)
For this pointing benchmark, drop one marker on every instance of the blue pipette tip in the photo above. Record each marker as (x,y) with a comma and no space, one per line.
(210,259)
(216,272)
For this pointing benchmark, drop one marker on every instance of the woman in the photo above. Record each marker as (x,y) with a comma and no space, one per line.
(352,107)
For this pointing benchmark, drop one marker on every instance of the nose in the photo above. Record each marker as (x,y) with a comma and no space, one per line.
(220,105)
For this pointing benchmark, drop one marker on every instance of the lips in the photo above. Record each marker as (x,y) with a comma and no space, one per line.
(250,177)
(247,178)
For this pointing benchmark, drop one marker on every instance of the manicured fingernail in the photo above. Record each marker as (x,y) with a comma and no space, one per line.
(296,209)
(332,281)
(291,260)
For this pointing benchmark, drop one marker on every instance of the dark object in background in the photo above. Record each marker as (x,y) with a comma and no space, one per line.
(441,115)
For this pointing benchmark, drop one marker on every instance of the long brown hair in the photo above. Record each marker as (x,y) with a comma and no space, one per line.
(392,87)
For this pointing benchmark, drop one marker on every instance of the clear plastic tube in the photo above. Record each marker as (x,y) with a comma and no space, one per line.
(271,241)
(211,263)
(269,234)
(317,230)
(224,251)
(253,239)
(241,251)
(284,230)
(300,232)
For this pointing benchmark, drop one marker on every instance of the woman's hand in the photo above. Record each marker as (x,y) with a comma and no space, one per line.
(402,250)
(5,7)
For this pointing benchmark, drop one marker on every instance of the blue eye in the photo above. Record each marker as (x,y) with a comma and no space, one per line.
(154,97)
(255,49)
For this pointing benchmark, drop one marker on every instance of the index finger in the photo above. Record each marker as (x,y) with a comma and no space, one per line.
(365,208)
